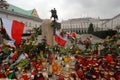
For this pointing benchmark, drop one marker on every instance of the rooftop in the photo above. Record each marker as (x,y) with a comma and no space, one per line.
(19,14)
(16,9)
(20,10)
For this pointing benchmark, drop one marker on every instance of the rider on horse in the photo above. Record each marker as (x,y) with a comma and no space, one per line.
(54,14)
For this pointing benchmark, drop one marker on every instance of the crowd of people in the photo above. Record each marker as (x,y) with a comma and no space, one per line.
(30,61)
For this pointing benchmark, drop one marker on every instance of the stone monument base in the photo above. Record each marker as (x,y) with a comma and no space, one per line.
(47,31)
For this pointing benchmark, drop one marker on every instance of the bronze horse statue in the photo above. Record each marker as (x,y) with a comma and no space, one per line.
(54,14)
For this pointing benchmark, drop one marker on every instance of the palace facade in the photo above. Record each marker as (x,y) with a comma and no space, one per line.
(80,25)
(29,17)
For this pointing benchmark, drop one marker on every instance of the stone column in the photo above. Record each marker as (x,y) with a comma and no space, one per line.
(47,30)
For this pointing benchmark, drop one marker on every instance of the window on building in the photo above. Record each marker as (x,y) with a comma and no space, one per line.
(105,26)
(35,25)
(30,24)
(13,10)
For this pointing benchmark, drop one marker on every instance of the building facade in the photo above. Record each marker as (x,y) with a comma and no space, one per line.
(113,24)
(29,17)
(81,25)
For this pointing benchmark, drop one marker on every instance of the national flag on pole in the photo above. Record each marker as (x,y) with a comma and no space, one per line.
(60,39)
(14,29)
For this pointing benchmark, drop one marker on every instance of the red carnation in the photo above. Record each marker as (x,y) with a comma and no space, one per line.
(109,58)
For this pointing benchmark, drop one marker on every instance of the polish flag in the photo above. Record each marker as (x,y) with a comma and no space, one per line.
(68,34)
(73,35)
(14,29)
(60,39)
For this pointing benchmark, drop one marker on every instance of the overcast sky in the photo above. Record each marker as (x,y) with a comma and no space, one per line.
(67,9)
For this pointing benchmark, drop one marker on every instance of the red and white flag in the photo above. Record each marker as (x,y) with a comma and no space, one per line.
(68,34)
(14,29)
(71,35)
(60,39)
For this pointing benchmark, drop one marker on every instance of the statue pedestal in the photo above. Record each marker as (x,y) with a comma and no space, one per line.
(47,30)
